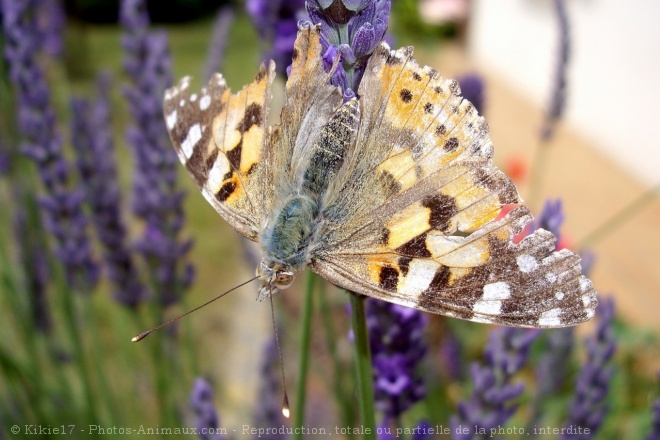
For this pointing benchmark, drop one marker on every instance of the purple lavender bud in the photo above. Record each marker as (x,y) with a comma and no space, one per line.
(157,200)
(216,55)
(396,340)
(206,416)
(472,89)
(491,403)
(655,428)
(92,140)
(61,204)
(364,42)
(589,406)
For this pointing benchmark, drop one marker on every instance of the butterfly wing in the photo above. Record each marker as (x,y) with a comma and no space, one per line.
(410,218)
(223,141)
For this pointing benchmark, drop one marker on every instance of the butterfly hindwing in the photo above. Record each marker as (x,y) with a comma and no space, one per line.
(412,214)
(223,141)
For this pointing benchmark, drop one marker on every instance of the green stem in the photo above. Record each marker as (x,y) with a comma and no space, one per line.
(339,390)
(303,360)
(619,218)
(363,366)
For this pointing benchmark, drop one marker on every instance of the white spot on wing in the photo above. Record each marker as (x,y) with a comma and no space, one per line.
(550,318)
(585,284)
(182,103)
(491,301)
(499,290)
(171,120)
(205,102)
(193,97)
(419,276)
(188,145)
(559,295)
(526,263)
(551,277)
(217,173)
(488,307)
(586,300)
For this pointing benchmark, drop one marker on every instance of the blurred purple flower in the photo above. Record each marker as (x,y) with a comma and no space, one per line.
(491,403)
(268,411)
(396,340)
(62,211)
(655,428)
(589,406)
(451,357)
(472,89)
(156,198)
(551,218)
(51,22)
(353,28)
(206,417)
(216,55)
(588,260)
(277,24)
(92,140)
(558,98)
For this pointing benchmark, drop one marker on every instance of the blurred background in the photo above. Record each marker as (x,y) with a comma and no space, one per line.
(104,234)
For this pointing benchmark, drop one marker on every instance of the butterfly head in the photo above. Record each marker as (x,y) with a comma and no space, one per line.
(274,277)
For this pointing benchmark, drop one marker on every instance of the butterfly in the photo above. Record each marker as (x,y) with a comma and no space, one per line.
(392,195)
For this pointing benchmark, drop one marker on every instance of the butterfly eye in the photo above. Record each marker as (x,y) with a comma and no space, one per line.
(284,280)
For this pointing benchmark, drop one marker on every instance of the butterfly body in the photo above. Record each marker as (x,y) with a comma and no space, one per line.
(392,195)
(288,240)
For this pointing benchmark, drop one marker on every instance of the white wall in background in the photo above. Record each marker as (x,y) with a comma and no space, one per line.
(614,75)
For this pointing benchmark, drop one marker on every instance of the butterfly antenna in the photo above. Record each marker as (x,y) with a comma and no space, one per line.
(285,401)
(143,335)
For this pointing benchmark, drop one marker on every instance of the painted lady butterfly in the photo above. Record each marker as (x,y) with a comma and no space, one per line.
(392,195)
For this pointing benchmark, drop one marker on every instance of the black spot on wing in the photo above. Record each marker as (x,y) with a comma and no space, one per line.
(404,265)
(225,191)
(253,116)
(234,156)
(388,278)
(406,95)
(442,208)
(416,76)
(440,130)
(415,248)
(451,145)
(428,108)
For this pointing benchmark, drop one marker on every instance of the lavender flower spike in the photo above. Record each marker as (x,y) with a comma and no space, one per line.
(201,402)
(62,211)
(268,411)
(353,29)
(157,199)
(589,406)
(92,140)
(277,24)
(490,404)
(397,347)
(218,44)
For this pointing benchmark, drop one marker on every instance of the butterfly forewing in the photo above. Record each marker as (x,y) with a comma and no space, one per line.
(223,141)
